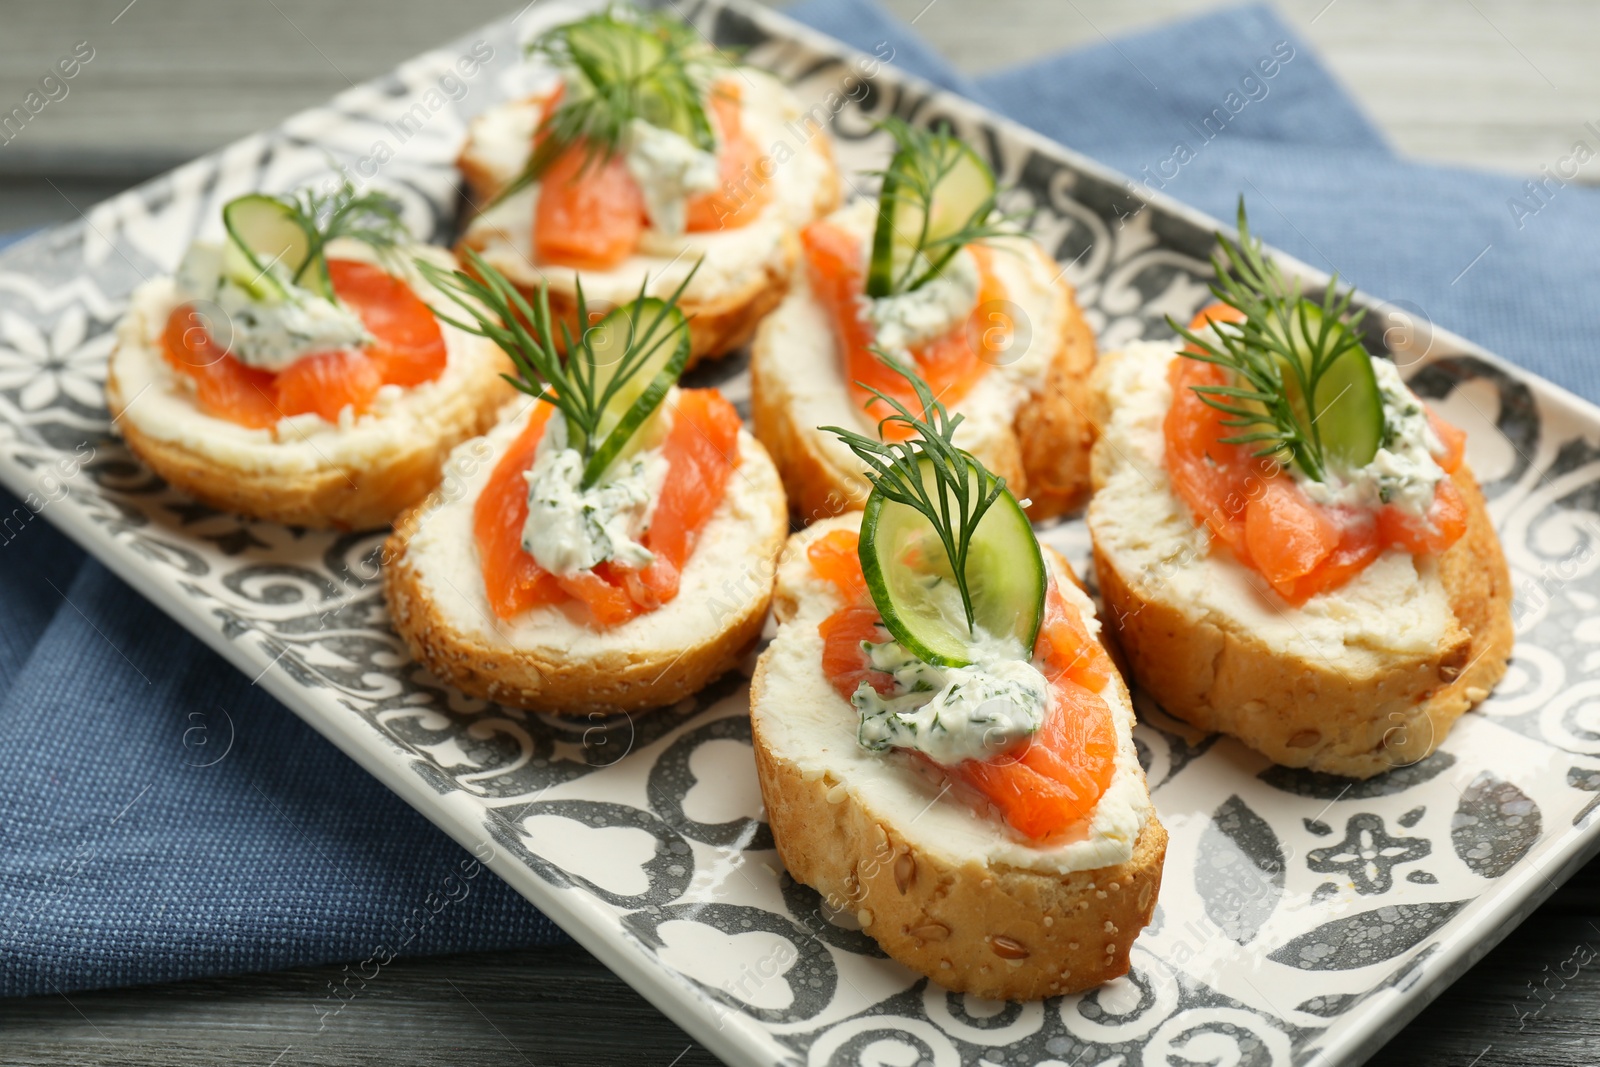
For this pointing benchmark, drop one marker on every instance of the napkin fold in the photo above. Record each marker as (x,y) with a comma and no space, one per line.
(128,856)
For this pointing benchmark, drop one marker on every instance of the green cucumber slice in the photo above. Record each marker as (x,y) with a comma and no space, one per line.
(912,583)
(663,335)
(961,191)
(1349,406)
(263,236)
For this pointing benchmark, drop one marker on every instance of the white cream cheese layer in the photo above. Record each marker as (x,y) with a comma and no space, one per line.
(805,720)
(720,571)
(771,117)
(801,359)
(1396,605)
(160,401)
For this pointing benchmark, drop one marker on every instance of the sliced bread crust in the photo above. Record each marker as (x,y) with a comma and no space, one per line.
(1356,714)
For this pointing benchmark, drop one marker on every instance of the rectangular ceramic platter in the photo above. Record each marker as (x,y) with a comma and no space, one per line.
(1303,918)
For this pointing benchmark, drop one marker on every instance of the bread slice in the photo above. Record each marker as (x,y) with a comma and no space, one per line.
(946,890)
(305,471)
(553,658)
(1026,419)
(745,270)
(1355,682)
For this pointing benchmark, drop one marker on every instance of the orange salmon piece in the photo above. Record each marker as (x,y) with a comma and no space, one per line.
(701,450)
(589,212)
(324,382)
(844,661)
(835,556)
(224,387)
(1287,534)
(409,346)
(744,171)
(513,581)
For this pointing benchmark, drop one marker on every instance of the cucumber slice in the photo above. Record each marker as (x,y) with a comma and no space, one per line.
(263,236)
(1349,417)
(663,332)
(957,195)
(912,582)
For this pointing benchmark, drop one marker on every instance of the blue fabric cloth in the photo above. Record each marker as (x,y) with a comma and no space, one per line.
(122,861)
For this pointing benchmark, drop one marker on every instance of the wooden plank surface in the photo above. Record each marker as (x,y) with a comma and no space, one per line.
(1494,83)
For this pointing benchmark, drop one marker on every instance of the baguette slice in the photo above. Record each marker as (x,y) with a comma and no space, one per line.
(553,658)
(946,890)
(1355,682)
(305,471)
(1026,420)
(745,271)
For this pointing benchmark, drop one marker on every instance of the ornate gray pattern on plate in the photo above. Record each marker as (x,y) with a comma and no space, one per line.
(1303,916)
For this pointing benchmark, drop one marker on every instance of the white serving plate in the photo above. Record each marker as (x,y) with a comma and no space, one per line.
(1303,918)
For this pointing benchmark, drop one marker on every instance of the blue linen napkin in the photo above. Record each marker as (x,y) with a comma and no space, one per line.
(123,861)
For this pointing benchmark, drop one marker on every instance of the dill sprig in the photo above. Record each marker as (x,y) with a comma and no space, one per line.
(372,218)
(947,484)
(922,160)
(586,384)
(1278,356)
(619,65)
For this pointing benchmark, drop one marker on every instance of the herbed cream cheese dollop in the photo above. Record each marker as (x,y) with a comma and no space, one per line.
(950,714)
(571,529)
(267,334)
(669,170)
(902,320)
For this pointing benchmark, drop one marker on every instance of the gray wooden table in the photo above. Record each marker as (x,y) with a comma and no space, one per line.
(1492,83)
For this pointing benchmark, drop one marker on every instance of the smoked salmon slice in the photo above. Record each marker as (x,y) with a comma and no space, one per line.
(408,345)
(835,557)
(744,170)
(224,387)
(844,662)
(513,581)
(326,382)
(590,213)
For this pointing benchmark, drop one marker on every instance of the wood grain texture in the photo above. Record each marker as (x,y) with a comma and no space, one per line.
(1495,83)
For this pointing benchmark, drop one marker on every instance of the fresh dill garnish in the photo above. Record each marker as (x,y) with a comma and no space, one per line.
(903,261)
(371,218)
(961,491)
(1279,357)
(619,65)
(588,383)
